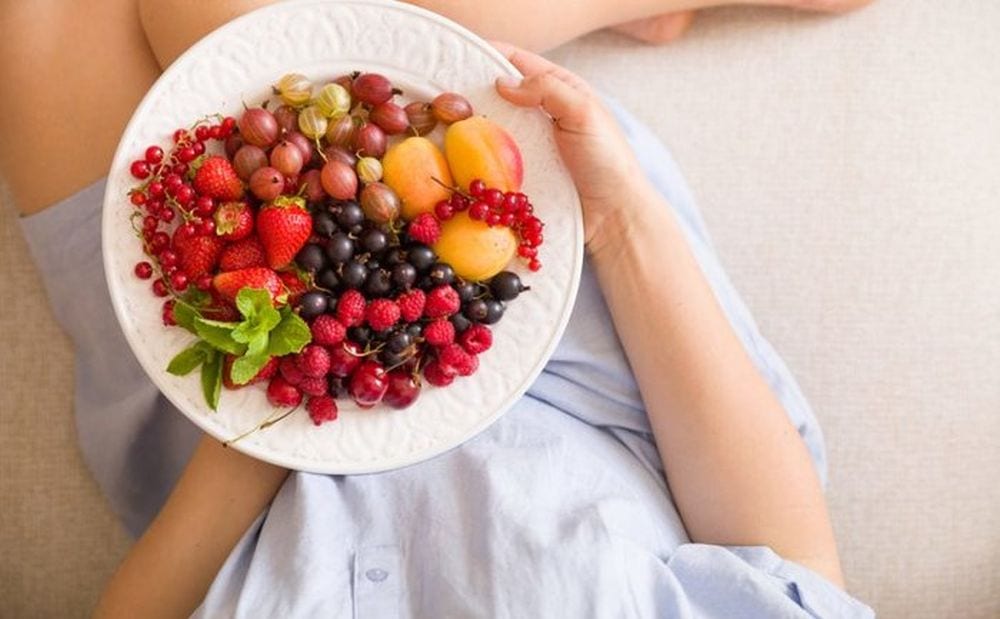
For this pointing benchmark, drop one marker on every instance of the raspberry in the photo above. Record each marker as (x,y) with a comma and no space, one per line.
(314,386)
(440,332)
(438,375)
(290,370)
(442,301)
(476,339)
(314,361)
(382,314)
(281,393)
(411,304)
(322,409)
(351,308)
(425,228)
(454,356)
(327,331)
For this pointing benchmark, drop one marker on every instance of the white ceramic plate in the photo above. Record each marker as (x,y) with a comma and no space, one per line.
(423,54)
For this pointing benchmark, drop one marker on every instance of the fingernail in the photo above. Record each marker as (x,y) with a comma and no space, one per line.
(508,81)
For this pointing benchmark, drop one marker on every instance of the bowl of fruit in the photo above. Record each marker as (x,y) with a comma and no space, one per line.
(331,244)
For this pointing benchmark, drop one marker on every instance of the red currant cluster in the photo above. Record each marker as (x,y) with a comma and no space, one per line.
(165,193)
(497,208)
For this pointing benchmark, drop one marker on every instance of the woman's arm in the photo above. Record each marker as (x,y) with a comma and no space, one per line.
(738,471)
(168,571)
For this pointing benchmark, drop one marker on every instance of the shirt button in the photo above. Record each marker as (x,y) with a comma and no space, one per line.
(376,574)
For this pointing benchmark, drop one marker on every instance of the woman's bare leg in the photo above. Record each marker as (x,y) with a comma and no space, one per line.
(72,72)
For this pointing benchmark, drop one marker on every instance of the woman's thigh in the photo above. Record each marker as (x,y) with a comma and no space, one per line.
(72,73)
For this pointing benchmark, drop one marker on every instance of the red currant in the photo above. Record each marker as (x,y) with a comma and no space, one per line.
(161,240)
(172,182)
(203,283)
(186,154)
(153,205)
(493,219)
(215,132)
(181,135)
(180,169)
(478,210)
(477,187)
(535,264)
(138,198)
(168,314)
(143,270)
(199,148)
(443,210)
(149,223)
(184,195)
(160,288)
(493,197)
(168,258)
(206,227)
(140,169)
(155,189)
(167,215)
(507,219)
(510,203)
(201,133)
(228,124)
(179,281)
(154,154)
(458,203)
(526,251)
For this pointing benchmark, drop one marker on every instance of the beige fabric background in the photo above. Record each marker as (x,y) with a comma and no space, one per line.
(849,170)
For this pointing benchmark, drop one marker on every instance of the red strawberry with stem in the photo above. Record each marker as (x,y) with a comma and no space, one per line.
(229,284)
(233,221)
(197,254)
(283,226)
(244,254)
(216,178)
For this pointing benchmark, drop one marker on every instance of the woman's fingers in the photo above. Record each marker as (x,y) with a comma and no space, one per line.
(559,92)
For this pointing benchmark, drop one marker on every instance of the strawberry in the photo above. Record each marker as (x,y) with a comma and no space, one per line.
(197,254)
(216,178)
(244,254)
(284,226)
(229,284)
(296,287)
(233,221)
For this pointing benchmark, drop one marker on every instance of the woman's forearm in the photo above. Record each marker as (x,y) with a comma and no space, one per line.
(738,471)
(169,570)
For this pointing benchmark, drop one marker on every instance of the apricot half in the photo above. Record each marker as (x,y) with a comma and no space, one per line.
(479,148)
(476,251)
(410,168)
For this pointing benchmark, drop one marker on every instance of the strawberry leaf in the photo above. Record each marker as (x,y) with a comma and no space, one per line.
(187,360)
(290,335)
(211,379)
(219,335)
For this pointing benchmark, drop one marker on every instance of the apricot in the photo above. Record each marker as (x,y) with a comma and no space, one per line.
(410,168)
(474,250)
(479,148)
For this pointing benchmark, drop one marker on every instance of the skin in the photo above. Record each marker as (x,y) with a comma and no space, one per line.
(709,408)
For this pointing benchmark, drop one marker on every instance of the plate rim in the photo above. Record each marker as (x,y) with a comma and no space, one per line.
(263,452)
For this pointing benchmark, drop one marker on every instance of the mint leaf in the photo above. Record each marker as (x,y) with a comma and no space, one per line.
(252,301)
(247,366)
(219,335)
(187,360)
(291,335)
(184,315)
(211,379)
(258,326)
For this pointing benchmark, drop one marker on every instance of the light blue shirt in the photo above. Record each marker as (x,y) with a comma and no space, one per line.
(560,509)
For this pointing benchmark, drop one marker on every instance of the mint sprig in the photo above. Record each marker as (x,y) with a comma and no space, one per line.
(263,333)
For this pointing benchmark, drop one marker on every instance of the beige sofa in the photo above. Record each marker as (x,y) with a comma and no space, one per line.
(849,170)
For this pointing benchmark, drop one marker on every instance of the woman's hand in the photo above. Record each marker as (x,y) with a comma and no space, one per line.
(592,146)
